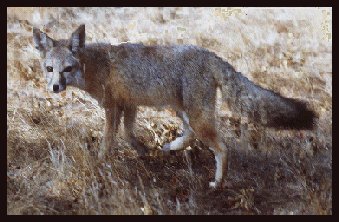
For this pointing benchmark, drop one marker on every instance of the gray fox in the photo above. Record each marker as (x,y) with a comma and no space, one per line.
(183,77)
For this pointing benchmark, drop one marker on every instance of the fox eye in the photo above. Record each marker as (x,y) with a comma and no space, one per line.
(68,69)
(49,69)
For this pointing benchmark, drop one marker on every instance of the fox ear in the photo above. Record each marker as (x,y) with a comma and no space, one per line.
(42,42)
(78,39)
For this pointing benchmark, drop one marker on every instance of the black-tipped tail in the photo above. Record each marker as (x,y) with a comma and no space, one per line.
(265,106)
(299,118)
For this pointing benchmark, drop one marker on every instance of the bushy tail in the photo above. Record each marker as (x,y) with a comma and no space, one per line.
(264,106)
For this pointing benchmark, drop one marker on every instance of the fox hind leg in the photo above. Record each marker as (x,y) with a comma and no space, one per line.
(220,153)
(183,141)
(207,133)
(199,102)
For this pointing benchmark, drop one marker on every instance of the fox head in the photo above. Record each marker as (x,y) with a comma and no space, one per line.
(60,59)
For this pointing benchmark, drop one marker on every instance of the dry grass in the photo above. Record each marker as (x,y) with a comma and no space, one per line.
(53,140)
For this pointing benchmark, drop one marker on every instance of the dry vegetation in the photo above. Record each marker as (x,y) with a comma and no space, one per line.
(53,140)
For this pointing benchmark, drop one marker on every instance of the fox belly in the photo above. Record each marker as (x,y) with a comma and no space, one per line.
(156,94)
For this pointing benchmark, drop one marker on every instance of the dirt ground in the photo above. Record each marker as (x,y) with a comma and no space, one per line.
(53,139)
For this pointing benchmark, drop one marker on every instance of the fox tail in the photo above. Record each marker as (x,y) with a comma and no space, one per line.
(262,105)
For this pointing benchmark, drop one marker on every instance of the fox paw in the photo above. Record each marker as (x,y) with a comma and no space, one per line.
(166,147)
(215,185)
(101,155)
(139,147)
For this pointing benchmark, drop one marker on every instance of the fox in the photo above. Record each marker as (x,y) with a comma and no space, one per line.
(183,77)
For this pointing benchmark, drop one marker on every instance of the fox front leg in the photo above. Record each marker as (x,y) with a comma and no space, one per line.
(113,116)
(130,114)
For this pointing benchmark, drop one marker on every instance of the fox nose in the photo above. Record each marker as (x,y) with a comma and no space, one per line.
(55,88)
